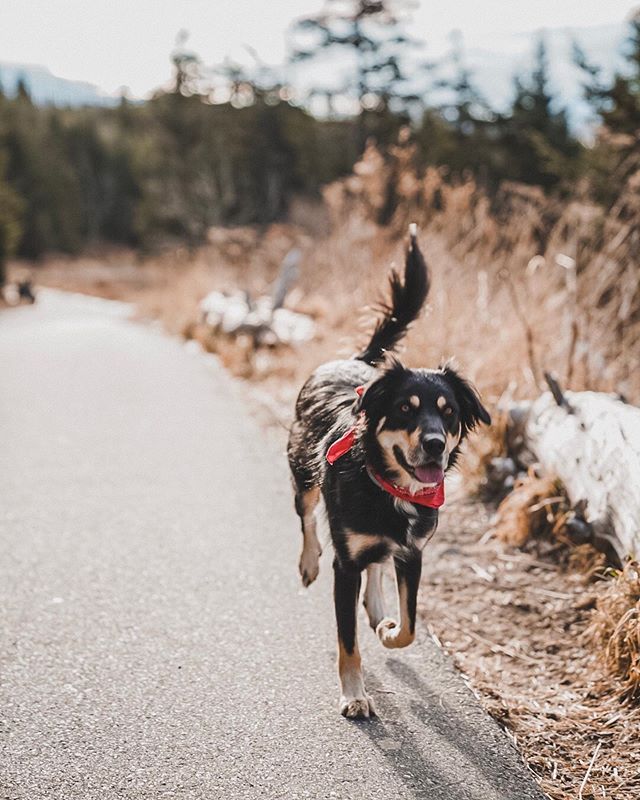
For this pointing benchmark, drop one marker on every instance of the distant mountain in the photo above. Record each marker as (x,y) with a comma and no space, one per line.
(47,89)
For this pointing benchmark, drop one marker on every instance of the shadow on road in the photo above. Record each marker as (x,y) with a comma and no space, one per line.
(395,735)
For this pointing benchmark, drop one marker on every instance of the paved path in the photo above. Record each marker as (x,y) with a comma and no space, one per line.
(155,641)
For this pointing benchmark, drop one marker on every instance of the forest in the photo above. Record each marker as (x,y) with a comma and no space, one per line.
(233,146)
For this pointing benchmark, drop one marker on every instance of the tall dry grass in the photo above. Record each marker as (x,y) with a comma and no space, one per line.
(521,283)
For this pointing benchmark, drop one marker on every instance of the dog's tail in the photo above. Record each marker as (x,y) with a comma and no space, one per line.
(408,295)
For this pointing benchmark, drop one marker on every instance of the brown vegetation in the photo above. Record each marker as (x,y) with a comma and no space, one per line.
(518,624)
(535,505)
(615,627)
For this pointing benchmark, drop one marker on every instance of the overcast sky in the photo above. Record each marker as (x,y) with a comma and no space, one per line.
(114,43)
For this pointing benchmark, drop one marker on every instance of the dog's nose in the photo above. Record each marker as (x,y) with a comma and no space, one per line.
(433,446)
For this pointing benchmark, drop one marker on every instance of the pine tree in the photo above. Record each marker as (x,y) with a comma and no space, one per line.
(539,146)
(615,155)
(10,215)
(618,103)
(22,90)
(371,31)
(186,66)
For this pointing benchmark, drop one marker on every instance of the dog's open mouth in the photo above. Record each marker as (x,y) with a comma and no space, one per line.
(430,474)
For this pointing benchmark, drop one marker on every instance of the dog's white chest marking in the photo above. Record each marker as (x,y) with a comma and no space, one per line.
(406,508)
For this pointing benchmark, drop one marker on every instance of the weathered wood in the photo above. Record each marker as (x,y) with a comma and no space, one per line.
(264,319)
(591,442)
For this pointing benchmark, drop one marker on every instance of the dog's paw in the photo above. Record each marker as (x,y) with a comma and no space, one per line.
(309,566)
(357,707)
(392,635)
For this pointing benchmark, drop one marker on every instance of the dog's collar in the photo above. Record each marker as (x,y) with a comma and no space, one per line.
(430,496)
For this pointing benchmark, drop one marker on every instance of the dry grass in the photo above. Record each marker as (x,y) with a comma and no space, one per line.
(516,622)
(535,507)
(615,628)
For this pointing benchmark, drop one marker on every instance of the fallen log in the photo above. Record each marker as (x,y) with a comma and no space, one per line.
(263,319)
(591,442)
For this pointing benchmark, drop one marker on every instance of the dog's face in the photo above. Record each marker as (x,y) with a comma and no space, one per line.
(415,421)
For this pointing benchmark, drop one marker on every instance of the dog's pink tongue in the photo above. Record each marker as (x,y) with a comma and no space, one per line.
(429,474)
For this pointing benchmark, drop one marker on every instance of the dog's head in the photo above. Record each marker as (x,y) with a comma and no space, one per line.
(415,420)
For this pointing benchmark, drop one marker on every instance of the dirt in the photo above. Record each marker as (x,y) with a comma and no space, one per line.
(514,620)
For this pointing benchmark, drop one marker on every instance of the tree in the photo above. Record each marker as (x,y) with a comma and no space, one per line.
(617,104)
(10,213)
(535,134)
(467,109)
(22,89)
(186,66)
(614,157)
(371,32)
(460,133)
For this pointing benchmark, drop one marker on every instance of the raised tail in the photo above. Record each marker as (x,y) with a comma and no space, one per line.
(408,295)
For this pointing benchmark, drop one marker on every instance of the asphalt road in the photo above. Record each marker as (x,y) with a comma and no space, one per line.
(155,639)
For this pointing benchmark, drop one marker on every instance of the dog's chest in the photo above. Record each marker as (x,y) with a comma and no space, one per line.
(406,529)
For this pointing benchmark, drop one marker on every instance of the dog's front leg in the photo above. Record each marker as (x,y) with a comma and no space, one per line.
(354,701)
(408,571)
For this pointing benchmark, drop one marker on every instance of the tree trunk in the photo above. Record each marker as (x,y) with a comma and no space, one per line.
(591,442)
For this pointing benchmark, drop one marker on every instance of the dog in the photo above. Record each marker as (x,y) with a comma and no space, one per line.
(374,440)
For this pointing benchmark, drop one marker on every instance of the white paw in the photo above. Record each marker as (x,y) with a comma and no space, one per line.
(392,635)
(357,707)
(309,565)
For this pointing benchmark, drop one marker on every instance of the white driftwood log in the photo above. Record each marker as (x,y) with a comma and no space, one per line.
(592,444)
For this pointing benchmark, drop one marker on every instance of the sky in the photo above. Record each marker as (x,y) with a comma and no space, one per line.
(113,43)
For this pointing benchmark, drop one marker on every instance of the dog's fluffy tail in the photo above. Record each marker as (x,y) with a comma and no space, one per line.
(408,295)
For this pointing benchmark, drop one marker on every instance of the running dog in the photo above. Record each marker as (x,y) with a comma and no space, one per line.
(374,440)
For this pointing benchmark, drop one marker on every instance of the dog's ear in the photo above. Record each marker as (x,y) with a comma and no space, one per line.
(369,396)
(372,395)
(471,409)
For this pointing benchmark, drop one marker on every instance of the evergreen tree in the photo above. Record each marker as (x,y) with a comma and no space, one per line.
(618,103)
(371,32)
(10,214)
(460,133)
(22,89)
(615,155)
(539,146)
(186,67)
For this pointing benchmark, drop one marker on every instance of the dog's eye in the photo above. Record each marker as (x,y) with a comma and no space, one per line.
(448,411)
(405,408)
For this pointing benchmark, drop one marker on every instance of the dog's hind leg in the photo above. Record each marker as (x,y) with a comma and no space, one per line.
(374,595)
(354,701)
(306,502)
(408,570)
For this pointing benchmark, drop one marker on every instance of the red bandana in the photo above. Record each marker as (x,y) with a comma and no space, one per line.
(430,496)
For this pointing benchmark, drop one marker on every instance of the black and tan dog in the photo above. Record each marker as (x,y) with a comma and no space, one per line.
(374,440)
